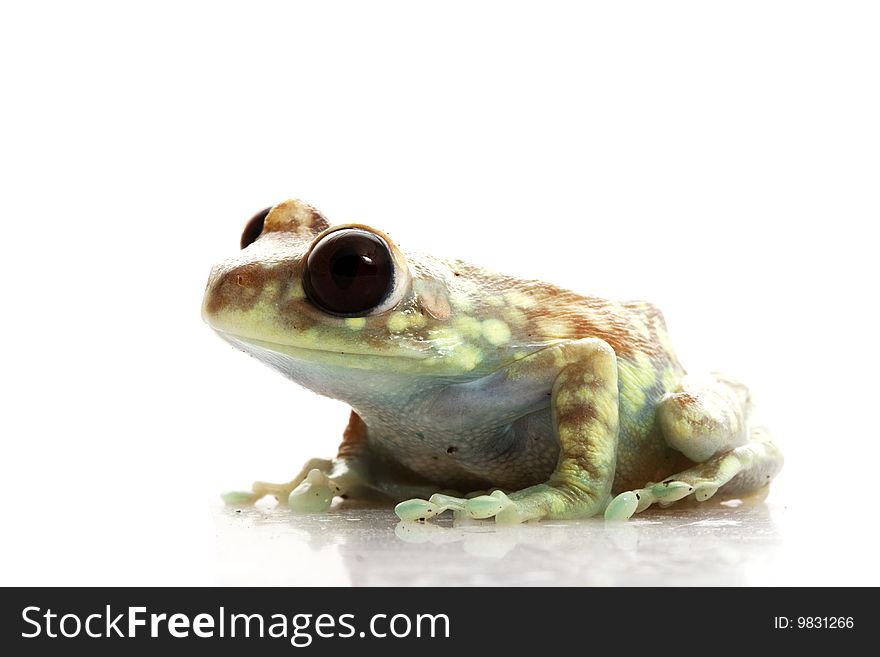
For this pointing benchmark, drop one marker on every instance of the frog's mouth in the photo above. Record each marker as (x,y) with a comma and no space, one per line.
(285,356)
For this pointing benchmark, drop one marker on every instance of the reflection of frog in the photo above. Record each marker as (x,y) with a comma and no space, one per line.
(464,380)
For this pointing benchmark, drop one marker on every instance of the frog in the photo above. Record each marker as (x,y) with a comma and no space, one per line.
(476,392)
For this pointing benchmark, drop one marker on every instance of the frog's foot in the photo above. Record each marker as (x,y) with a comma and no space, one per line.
(534,503)
(474,505)
(740,470)
(315,493)
(626,504)
(281,492)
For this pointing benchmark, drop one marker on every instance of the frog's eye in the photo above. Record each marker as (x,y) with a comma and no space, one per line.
(349,272)
(254,227)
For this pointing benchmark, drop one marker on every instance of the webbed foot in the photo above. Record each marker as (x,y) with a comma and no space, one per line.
(753,465)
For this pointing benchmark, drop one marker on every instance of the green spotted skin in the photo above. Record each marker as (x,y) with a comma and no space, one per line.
(465,381)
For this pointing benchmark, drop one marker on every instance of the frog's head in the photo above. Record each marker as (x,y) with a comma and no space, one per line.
(303,291)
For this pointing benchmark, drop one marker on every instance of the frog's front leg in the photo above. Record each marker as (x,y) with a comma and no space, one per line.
(584,406)
(319,480)
(352,472)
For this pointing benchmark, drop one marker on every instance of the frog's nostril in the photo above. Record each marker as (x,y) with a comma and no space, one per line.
(242,277)
(234,287)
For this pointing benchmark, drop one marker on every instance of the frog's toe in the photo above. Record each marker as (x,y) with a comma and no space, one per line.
(314,494)
(668,491)
(483,506)
(416,509)
(239,497)
(703,493)
(623,506)
(513,514)
(497,505)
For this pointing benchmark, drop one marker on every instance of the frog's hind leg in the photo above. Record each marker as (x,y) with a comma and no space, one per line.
(741,470)
(707,421)
(705,416)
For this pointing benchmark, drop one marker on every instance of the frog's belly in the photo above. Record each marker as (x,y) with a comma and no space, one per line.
(513,456)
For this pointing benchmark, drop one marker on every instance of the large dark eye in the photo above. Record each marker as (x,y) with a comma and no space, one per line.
(254,227)
(349,272)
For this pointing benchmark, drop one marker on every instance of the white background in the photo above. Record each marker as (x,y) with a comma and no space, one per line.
(718,159)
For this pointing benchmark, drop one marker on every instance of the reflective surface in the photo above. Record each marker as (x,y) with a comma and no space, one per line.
(731,543)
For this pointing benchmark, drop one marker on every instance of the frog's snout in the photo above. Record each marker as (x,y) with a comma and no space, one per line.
(233,287)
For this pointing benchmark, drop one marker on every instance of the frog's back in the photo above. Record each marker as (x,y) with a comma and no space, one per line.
(542,313)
